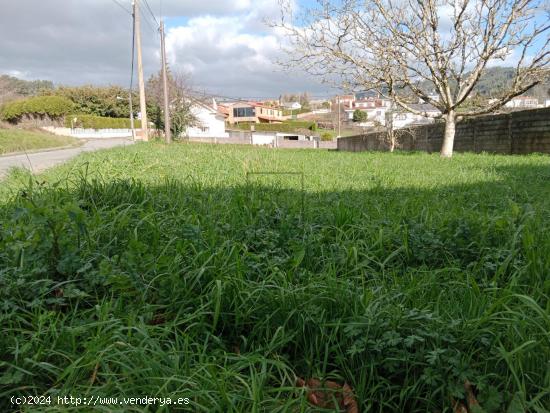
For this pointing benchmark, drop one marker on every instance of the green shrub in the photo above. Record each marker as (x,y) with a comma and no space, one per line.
(326,136)
(288,126)
(51,106)
(110,101)
(99,122)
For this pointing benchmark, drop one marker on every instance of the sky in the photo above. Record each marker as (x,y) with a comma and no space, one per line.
(224,46)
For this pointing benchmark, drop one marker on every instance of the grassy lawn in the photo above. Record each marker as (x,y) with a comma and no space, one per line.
(170,272)
(16,140)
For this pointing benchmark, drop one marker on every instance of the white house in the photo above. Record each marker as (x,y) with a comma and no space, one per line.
(402,118)
(210,121)
(292,105)
(375,109)
(526,102)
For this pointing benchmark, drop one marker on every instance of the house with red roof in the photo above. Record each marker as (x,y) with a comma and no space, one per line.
(252,112)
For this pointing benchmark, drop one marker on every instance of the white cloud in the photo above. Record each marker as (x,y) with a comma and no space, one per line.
(224,45)
(235,54)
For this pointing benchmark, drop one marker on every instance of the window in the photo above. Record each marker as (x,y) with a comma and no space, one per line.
(401,116)
(243,112)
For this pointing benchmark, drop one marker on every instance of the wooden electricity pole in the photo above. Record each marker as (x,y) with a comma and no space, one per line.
(141,81)
(167,130)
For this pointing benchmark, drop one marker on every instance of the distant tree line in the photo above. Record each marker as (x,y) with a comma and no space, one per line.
(302,98)
(97,105)
(12,88)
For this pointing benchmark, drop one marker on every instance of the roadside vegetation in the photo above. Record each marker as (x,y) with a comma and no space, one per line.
(182,271)
(99,122)
(19,140)
(285,126)
(294,126)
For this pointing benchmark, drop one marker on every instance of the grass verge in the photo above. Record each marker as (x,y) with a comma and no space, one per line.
(165,271)
(17,140)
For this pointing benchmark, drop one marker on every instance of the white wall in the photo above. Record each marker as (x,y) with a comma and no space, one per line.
(80,133)
(262,139)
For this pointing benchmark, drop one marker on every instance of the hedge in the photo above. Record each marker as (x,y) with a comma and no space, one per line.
(51,106)
(99,122)
(291,126)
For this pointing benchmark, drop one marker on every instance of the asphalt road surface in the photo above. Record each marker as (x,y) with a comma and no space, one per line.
(38,161)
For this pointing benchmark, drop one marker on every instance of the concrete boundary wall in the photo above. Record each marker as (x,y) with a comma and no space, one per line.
(520,132)
(281,143)
(80,133)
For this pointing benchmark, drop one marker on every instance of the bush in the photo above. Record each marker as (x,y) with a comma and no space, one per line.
(359,116)
(326,136)
(110,101)
(288,126)
(99,122)
(52,106)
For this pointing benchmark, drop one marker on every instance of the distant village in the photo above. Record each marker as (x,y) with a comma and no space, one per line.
(332,117)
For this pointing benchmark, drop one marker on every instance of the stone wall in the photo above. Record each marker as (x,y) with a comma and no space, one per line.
(510,133)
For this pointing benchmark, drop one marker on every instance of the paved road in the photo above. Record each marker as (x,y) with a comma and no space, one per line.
(47,159)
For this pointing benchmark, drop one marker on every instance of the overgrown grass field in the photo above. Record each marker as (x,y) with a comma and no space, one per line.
(19,140)
(182,271)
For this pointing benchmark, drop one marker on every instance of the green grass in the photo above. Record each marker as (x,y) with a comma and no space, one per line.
(17,140)
(168,272)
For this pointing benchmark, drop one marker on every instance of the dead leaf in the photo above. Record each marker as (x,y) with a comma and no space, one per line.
(470,398)
(469,405)
(324,394)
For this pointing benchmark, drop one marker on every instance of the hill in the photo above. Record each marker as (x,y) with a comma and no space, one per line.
(492,83)
(13,88)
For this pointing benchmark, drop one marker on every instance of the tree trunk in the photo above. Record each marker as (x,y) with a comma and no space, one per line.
(449,137)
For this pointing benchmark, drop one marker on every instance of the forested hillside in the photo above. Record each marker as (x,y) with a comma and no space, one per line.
(13,88)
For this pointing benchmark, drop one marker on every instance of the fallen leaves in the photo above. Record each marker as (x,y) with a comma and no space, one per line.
(329,394)
(471,405)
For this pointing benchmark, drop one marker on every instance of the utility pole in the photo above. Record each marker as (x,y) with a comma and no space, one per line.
(142,104)
(130,97)
(167,130)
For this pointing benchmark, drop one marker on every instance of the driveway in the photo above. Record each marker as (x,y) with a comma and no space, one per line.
(38,161)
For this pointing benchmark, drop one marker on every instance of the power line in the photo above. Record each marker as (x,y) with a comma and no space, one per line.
(122,7)
(146,19)
(151,12)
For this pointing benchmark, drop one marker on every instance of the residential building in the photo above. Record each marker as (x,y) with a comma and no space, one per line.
(292,105)
(375,109)
(401,118)
(346,101)
(252,112)
(210,121)
(523,102)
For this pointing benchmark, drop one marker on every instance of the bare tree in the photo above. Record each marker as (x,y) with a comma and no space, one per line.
(401,48)
(180,101)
